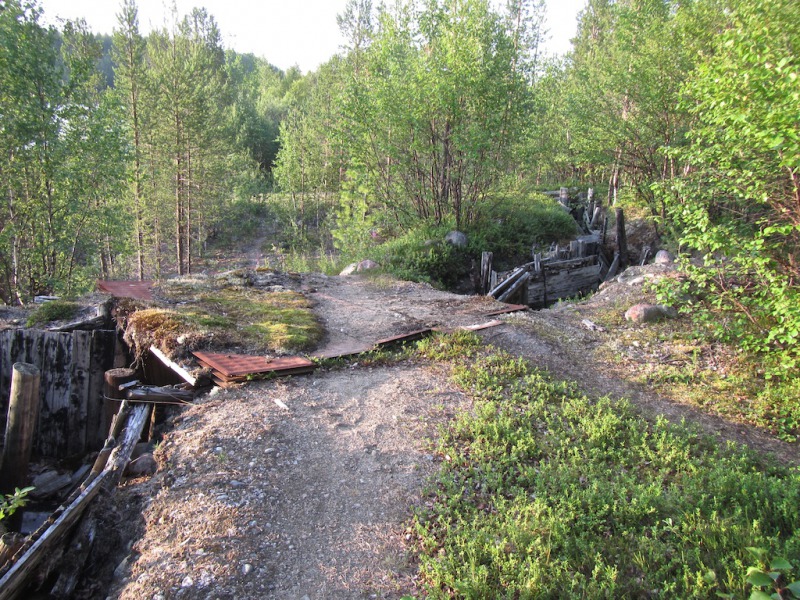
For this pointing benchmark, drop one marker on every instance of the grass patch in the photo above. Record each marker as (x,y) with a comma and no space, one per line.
(673,358)
(55,310)
(544,493)
(246,319)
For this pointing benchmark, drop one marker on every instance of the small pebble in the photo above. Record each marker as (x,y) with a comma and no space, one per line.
(246,568)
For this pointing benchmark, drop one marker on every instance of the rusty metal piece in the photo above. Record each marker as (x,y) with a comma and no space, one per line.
(238,366)
(405,337)
(140,290)
(509,309)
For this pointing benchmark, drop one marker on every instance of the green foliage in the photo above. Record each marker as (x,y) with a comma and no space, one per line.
(423,255)
(12,502)
(433,117)
(55,310)
(509,228)
(773,575)
(738,207)
(518,222)
(544,493)
(60,154)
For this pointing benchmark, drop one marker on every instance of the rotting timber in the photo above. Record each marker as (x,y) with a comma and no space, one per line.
(562,272)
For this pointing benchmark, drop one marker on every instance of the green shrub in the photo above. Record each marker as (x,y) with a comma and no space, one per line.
(423,255)
(55,310)
(519,222)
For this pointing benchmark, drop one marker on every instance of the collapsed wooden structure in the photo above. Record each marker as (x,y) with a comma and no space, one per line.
(561,272)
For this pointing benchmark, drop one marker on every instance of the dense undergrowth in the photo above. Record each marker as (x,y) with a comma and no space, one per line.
(326,241)
(544,493)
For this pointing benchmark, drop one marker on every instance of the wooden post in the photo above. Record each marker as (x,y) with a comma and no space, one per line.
(622,240)
(23,410)
(595,217)
(114,378)
(486,271)
(563,196)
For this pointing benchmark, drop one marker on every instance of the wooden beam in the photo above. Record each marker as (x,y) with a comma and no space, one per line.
(518,284)
(23,410)
(486,272)
(181,372)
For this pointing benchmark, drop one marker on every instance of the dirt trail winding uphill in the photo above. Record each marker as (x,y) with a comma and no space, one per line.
(301,488)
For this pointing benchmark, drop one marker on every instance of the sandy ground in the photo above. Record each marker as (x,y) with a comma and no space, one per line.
(303,488)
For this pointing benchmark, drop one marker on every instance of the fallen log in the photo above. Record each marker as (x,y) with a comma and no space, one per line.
(517,286)
(15,578)
(159,395)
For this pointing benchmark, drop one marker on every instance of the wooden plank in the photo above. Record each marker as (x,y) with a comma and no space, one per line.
(56,417)
(481,326)
(518,284)
(79,388)
(486,272)
(104,343)
(179,370)
(622,239)
(508,281)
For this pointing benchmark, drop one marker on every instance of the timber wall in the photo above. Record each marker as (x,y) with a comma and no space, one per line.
(71,416)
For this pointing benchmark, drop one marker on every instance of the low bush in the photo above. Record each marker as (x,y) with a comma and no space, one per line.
(544,493)
(55,310)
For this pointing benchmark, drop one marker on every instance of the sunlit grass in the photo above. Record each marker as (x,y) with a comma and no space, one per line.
(544,493)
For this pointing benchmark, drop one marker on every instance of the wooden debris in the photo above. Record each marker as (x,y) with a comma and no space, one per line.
(159,395)
(516,287)
(480,326)
(41,545)
(175,367)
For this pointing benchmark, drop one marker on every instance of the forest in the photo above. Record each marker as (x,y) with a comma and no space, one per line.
(129,156)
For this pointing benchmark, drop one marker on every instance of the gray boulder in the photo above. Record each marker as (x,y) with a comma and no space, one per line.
(366,265)
(663,257)
(456,238)
(649,313)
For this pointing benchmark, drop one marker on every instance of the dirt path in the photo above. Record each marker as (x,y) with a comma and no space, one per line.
(301,488)
(297,488)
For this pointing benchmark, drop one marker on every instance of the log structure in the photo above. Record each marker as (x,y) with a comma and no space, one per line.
(70,420)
